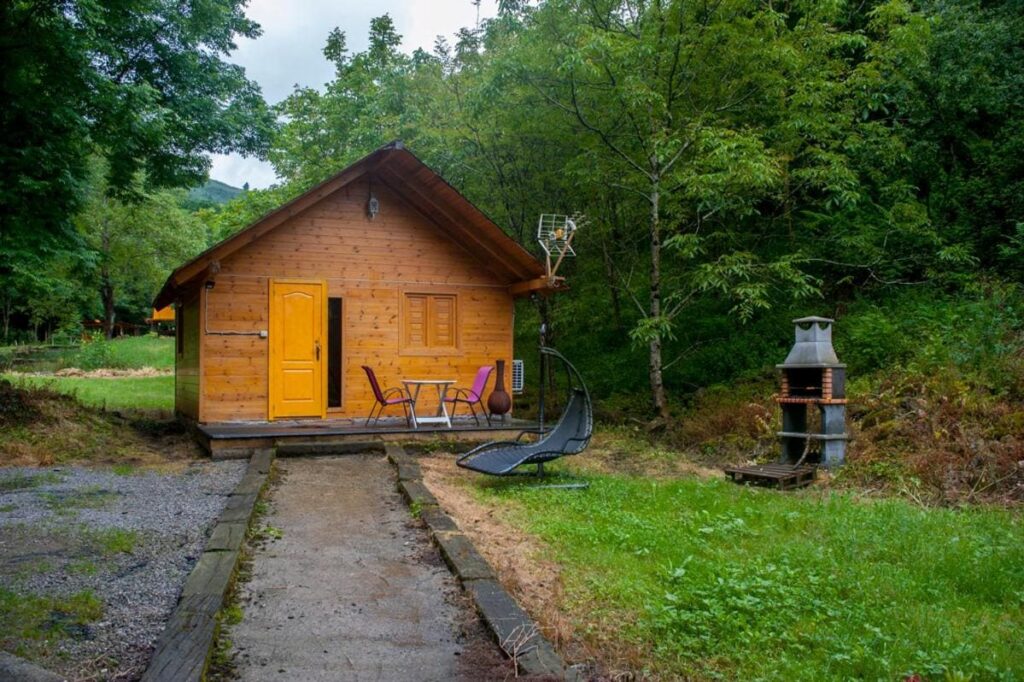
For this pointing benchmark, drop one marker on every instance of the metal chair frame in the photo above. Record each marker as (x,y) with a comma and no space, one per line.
(382,399)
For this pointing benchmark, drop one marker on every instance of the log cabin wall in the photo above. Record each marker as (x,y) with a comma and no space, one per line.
(375,267)
(187,358)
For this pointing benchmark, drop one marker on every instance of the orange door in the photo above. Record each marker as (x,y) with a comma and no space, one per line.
(296,349)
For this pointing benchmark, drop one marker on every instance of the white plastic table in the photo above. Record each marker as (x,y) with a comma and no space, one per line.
(413,386)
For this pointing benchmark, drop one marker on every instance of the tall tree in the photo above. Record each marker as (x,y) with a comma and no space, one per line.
(668,121)
(132,246)
(142,82)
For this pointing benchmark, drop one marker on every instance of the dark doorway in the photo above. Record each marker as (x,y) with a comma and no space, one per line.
(333,352)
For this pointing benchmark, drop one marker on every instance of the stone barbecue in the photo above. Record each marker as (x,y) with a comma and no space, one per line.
(812,376)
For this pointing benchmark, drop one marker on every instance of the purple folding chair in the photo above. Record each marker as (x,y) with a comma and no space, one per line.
(386,399)
(473,396)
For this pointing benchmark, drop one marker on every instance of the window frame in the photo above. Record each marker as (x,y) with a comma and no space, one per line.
(403,311)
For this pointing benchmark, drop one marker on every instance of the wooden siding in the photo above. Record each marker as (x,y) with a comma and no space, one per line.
(186,363)
(372,266)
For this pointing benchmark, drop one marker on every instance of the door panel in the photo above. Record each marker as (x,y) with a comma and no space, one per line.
(296,349)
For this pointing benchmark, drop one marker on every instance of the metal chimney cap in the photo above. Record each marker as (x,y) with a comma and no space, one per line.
(813,347)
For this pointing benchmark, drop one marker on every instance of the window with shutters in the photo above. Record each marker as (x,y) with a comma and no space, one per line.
(429,322)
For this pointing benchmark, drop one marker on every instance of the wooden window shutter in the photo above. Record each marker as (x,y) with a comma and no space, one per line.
(442,321)
(416,321)
(430,322)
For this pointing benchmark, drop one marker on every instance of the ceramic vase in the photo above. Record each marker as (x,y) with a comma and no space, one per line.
(499,402)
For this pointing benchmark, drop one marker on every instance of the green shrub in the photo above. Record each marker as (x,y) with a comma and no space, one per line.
(98,354)
(6,358)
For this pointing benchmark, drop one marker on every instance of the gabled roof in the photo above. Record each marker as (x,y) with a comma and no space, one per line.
(415,182)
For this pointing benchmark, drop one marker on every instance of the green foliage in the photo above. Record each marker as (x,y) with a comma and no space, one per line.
(709,579)
(144,82)
(978,333)
(96,354)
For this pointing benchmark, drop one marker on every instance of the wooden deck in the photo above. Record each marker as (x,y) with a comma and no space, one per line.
(224,440)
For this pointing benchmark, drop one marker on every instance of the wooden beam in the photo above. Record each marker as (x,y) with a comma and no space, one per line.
(538,285)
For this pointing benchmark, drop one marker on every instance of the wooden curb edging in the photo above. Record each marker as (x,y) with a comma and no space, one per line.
(182,652)
(513,629)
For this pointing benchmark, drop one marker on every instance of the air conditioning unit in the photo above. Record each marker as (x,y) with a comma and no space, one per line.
(517,376)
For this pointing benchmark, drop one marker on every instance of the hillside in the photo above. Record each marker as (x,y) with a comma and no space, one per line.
(213,193)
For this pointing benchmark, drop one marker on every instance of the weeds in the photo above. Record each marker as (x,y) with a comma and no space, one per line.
(26,481)
(268,532)
(31,623)
(112,541)
(90,497)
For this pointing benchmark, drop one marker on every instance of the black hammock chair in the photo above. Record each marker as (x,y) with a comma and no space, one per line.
(570,436)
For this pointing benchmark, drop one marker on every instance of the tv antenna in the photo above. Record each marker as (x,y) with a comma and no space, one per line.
(555,233)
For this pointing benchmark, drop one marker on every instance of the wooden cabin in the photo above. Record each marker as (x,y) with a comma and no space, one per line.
(164,315)
(383,264)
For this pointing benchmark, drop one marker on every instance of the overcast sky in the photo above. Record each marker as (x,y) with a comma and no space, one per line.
(289,51)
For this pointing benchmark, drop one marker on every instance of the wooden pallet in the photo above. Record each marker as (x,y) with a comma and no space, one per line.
(782,476)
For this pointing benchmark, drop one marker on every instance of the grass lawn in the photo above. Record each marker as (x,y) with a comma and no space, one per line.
(130,352)
(138,393)
(684,576)
(134,352)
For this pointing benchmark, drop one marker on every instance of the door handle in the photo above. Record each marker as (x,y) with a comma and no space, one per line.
(318,350)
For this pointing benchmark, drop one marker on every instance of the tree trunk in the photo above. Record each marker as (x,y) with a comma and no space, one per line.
(7,320)
(658,399)
(107,294)
(107,287)
(613,286)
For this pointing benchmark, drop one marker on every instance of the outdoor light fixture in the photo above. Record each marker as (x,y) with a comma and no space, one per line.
(372,206)
(209,285)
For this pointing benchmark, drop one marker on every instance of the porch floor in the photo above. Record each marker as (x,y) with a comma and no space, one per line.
(240,439)
(291,428)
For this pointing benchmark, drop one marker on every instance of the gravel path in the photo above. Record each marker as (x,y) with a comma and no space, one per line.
(130,539)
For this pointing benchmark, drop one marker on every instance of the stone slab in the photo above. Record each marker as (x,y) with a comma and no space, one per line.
(408,470)
(211,575)
(184,647)
(239,508)
(14,668)
(251,484)
(416,493)
(515,631)
(462,557)
(261,461)
(226,537)
(437,521)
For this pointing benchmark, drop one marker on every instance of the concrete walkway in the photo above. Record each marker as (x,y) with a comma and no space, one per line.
(352,591)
